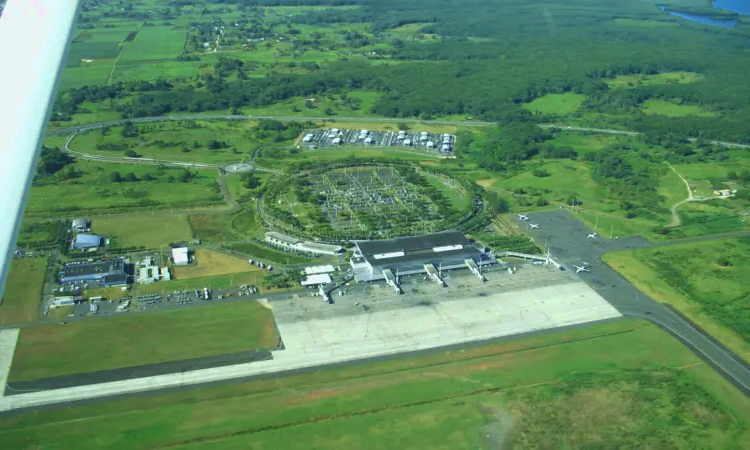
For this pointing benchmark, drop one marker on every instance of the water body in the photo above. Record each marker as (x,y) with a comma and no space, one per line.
(727,4)
(739,6)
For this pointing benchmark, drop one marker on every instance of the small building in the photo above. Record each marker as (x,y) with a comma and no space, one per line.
(336,141)
(308,137)
(111,272)
(446,147)
(407,142)
(65,301)
(165,274)
(314,280)
(83,241)
(293,243)
(430,144)
(723,192)
(368,141)
(180,255)
(80,225)
(315,270)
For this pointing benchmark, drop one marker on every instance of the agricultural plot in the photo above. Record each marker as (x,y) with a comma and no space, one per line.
(23,291)
(81,52)
(154,43)
(626,383)
(371,199)
(149,231)
(94,189)
(139,339)
(88,74)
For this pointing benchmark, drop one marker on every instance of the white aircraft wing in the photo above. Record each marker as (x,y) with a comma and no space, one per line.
(35,36)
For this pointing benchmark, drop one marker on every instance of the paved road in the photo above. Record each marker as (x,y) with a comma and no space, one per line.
(566,239)
(94,126)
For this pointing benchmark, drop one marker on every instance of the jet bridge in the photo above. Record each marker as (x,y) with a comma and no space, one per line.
(433,274)
(474,269)
(391,280)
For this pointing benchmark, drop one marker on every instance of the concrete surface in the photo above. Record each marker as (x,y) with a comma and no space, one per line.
(310,343)
(8,339)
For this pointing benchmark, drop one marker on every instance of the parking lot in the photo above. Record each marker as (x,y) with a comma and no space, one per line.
(334,137)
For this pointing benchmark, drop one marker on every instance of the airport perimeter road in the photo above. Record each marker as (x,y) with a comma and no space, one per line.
(567,240)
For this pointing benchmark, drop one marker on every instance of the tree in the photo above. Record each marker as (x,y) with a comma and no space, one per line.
(148,177)
(185,176)
(309,104)
(132,154)
(52,160)
(732,175)
(329,112)
(250,181)
(129,130)
(572,200)
(403,126)
(131,178)
(541,173)
(115,177)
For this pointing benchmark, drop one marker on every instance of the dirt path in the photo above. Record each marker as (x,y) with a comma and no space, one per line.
(676,220)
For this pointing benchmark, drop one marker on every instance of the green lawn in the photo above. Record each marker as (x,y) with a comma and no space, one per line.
(665,108)
(219,228)
(556,104)
(626,384)
(154,43)
(458,198)
(707,281)
(625,81)
(23,291)
(37,233)
(94,190)
(150,231)
(264,253)
(135,339)
(215,282)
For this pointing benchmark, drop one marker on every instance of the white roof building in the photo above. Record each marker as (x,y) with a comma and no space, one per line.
(312,280)
(314,270)
(180,255)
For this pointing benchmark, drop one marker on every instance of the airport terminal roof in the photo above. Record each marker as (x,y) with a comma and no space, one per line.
(412,243)
(418,259)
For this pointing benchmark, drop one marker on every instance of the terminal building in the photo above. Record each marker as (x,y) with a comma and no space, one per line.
(109,273)
(376,260)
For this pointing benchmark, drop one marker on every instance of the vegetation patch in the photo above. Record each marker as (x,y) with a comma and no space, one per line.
(706,281)
(556,104)
(149,231)
(138,339)
(209,263)
(670,109)
(23,291)
(635,80)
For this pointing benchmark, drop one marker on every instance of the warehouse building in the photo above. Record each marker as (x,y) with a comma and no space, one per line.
(109,273)
(84,241)
(411,255)
(180,255)
(80,225)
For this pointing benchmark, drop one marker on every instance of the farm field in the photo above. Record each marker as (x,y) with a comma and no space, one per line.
(330,154)
(706,281)
(625,81)
(626,383)
(220,228)
(37,232)
(670,109)
(95,191)
(209,263)
(23,291)
(154,43)
(142,338)
(556,104)
(149,231)
(94,73)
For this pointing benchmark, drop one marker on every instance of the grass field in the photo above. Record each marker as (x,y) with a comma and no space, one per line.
(556,104)
(670,109)
(154,43)
(95,191)
(624,81)
(92,73)
(329,154)
(23,291)
(210,263)
(268,254)
(644,23)
(707,281)
(626,384)
(105,49)
(220,228)
(137,339)
(458,198)
(150,231)
(213,283)
(37,232)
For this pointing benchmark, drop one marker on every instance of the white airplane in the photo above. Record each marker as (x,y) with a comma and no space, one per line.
(583,268)
(534,225)
(593,235)
(523,217)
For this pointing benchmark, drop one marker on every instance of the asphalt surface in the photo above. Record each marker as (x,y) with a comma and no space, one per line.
(126,373)
(567,240)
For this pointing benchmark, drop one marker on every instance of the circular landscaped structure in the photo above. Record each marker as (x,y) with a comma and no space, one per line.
(358,201)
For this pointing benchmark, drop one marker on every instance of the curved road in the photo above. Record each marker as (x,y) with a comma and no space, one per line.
(94,126)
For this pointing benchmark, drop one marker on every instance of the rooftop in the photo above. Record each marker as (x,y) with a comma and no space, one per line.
(412,243)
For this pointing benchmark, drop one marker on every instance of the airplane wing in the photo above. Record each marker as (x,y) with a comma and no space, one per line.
(36,35)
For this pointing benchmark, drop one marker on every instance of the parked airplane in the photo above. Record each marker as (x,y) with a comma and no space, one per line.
(583,268)
(593,235)
(523,217)
(534,225)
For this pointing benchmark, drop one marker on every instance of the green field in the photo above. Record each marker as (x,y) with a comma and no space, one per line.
(23,291)
(264,253)
(94,73)
(136,339)
(556,104)
(626,384)
(220,228)
(95,191)
(660,78)
(707,281)
(670,109)
(154,43)
(213,283)
(37,233)
(150,231)
(104,50)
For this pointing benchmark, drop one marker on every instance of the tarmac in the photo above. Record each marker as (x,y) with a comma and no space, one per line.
(488,312)
(567,240)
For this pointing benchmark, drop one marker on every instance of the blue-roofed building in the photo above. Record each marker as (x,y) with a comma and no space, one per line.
(83,241)
(110,272)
